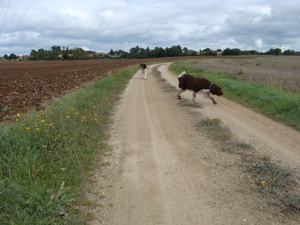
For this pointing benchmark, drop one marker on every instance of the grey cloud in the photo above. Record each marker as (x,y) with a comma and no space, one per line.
(104,25)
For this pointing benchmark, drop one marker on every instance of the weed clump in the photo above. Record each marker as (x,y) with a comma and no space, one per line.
(216,127)
(277,183)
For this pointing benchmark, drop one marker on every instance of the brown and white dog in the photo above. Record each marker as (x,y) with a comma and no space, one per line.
(194,84)
(144,70)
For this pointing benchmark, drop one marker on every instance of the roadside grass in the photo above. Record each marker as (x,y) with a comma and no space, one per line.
(214,126)
(47,156)
(271,101)
(278,185)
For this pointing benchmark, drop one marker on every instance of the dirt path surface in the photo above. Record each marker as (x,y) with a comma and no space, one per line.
(164,170)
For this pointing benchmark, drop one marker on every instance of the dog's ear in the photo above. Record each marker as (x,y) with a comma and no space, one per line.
(219,91)
(216,90)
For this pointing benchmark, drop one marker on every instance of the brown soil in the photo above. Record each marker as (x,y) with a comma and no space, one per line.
(26,85)
(164,170)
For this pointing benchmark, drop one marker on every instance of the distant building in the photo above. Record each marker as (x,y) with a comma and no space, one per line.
(23,57)
(219,53)
(114,56)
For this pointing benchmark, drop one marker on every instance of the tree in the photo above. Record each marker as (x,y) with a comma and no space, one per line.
(179,49)
(148,52)
(253,52)
(40,53)
(227,51)
(171,51)
(65,56)
(236,51)
(135,50)
(158,52)
(289,52)
(175,50)
(208,52)
(12,56)
(111,52)
(79,54)
(33,54)
(277,51)
(192,53)
(56,49)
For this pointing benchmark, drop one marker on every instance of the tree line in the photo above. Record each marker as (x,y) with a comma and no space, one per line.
(64,53)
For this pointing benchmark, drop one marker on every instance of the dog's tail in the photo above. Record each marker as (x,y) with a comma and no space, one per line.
(181,74)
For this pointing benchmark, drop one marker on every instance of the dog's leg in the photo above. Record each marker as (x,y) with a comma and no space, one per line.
(207,95)
(180,91)
(194,97)
(213,100)
(145,73)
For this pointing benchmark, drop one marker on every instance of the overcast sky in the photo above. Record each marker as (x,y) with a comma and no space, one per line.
(102,25)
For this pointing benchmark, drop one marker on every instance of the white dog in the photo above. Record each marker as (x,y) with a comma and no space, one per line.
(144,70)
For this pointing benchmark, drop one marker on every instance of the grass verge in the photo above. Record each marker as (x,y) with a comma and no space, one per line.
(277,104)
(278,184)
(46,156)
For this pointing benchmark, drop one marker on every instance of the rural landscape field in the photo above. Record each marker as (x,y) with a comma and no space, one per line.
(26,85)
(104,145)
(279,72)
(29,84)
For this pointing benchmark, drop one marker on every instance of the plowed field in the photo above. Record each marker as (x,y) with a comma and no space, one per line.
(25,85)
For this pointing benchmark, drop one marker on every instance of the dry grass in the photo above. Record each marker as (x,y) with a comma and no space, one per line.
(281,72)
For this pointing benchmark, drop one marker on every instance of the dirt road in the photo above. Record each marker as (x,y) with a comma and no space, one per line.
(164,170)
